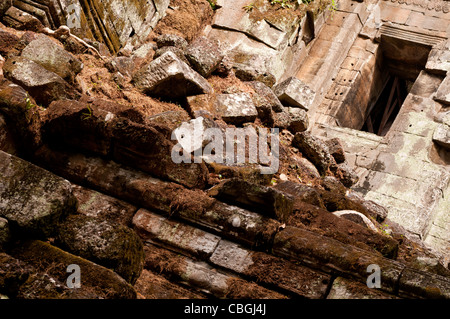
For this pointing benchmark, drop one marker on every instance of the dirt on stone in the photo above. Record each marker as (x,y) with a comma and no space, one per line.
(185,18)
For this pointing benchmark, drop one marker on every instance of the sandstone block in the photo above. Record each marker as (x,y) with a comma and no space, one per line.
(293,92)
(168,76)
(204,55)
(236,108)
(51,56)
(31,198)
(113,246)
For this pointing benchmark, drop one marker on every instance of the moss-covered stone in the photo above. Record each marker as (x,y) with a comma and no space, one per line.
(31,198)
(111,245)
(96,281)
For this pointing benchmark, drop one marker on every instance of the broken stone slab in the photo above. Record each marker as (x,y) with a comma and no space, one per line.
(5,232)
(347,289)
(295,93)
(344,174)
(443,92)
(204,55)
(95,204)
(441,136)
(43,85)
(282,120)
(247,171)
(265,96)
(270,270)
(330,255)
(96,281)
(186,238)
(138,188)
(4,6)
(146,148)
(32,199)
(315,150)
(299,120)
(168,76)
(111,245)
(81,125)
(336,149)
(246,72)
(8,43)
(124,65)
(374,210)
(151,285)
(262,199)
(203,277)
(171,40)
(21,20)
(22,116)
(438,59)
(309,212)
(236,108)
(358,218)
(20,280)
(7,143)
(178,52)
(415,283)
(51,56)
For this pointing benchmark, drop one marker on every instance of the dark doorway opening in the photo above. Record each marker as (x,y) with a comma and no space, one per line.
(384,111)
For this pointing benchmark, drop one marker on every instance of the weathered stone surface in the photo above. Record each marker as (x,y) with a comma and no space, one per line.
(111,245)
(51,56)
(8,42)
(442,94)
(20,20)
(124,65)
(146,148)
(415,283)
(171,40)
(4,6)
(80,125)
(96,281)
(20,280)
(374,210)
(315,150)
(21,113)
(5,232)
(265,96)
(299,120)
(336,150)
(249,172)
(346,289)
(6,138)
(203,277)
(168,76)
(42,84)
(325,253)
(345,174)
(282,120)
(31,198)
(249,73)
(193,206)
(262,199)
(204,55)
(153,286)
(293,92)
(101,206)
(236,108)
(178,52)
(270,270)
(157,228)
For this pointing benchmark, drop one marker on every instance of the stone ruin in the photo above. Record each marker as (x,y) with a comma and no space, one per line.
(360,92)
